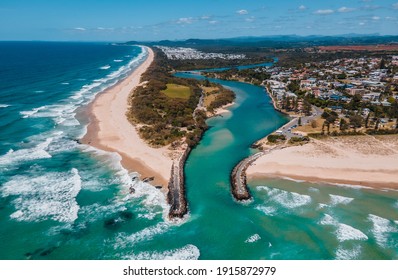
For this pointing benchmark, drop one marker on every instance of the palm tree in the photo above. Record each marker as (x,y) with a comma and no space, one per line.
(377,124)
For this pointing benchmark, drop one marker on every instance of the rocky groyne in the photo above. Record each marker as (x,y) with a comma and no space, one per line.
(176,196)
(239,187)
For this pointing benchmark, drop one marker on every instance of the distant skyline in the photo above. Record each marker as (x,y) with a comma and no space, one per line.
(123,20)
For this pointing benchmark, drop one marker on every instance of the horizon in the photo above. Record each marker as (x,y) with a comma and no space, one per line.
(122,20)
(277,36)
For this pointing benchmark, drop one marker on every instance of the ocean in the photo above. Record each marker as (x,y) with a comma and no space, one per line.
(63,200)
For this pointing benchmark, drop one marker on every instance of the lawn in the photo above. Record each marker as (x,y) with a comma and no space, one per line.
(210,95)
(177,91)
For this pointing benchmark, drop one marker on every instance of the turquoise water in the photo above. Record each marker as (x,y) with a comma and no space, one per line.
(63,200)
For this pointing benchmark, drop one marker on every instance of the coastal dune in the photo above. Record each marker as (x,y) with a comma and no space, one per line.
(358,160)
(110,130)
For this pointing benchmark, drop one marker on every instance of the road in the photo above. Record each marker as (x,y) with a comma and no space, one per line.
(287,128)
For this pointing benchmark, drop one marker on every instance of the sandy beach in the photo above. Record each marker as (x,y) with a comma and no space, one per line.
(358,160)
(110,130)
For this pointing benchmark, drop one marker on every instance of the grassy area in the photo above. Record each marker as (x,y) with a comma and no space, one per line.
(209,99)
(177,91)
(210,94)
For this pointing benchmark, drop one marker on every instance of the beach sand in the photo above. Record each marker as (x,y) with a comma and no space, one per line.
(110,130)
(357,160)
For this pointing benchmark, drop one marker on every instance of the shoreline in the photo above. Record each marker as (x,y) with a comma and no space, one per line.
(110,130)
(337,161)
(355,160)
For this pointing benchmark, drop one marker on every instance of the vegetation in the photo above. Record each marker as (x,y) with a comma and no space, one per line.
(177,91)
(299,140)
(165,107)
(223,97)
(273,138)
(251,75)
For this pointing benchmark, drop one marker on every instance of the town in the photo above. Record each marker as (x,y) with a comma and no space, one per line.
(338,97)
(175,53)
(355,94)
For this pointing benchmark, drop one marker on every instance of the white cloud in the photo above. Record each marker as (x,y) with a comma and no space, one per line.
(105,28)
(242,12)
(302,8)
(395,6)
(324,12)
(345,10)
(371,7)
(188,20)
(80,29)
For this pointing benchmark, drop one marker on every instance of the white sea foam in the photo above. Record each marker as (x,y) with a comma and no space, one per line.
(105,67)
(39,91)
(39,152)
(4,105)
(286,199)
(97,211)
(26,114)
(337,199)
(349,186)
(49,196)
(328,220)
(322,205)
(64,112)
(118,60)
(152,199)
(344,232)
(294,180)
(348,253)
(65,84)
(253,238)
(188,252)
(123,240)
(381,229)
(268,210)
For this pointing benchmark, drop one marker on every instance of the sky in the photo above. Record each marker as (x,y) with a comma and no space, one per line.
(153,20)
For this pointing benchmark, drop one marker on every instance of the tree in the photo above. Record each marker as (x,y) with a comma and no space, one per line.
(314,124)
(293,86)
(356,121)
(382,64)
(377,124)
(343,124)
(367,121)
(287,106)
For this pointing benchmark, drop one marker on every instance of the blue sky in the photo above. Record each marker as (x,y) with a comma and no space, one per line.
(121,20)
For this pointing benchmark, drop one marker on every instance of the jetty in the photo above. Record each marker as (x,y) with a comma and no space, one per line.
(239,188)
(176,197)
